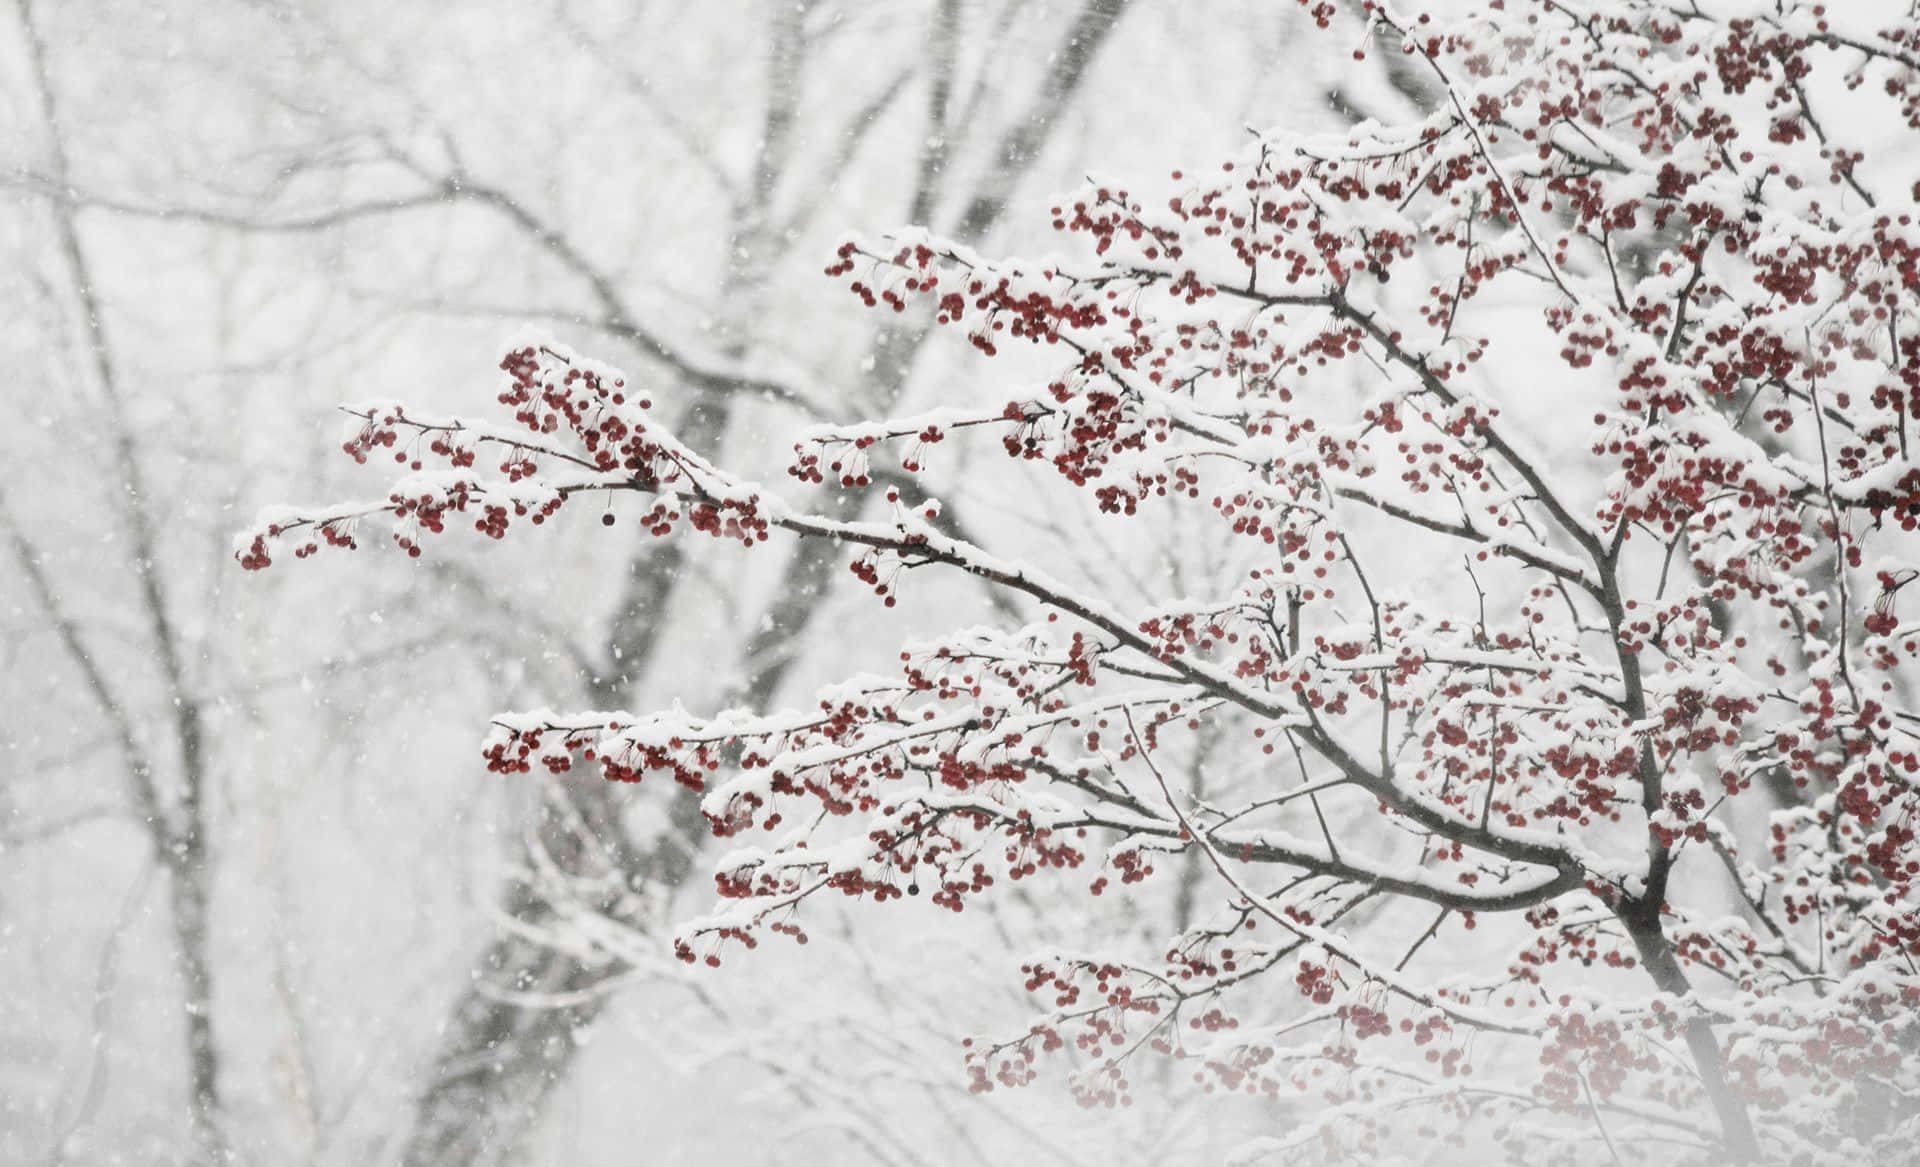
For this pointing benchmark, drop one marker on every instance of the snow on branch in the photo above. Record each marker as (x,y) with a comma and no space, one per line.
(1634,712)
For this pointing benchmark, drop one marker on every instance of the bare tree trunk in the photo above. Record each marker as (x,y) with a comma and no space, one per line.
(1642,920)
(500,1060)
(177,834)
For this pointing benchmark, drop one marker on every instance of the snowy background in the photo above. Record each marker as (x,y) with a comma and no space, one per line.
(220,220)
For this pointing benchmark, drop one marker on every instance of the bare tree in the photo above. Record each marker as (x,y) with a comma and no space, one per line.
(500,1056)
(172,812)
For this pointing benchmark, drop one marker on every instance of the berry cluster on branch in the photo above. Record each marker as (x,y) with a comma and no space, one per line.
(1653,741)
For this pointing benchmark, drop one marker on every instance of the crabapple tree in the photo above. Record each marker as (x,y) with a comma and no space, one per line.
(1567,802)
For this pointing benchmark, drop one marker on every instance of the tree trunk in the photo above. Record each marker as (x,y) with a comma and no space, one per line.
(499,1060)
(177,833)
(1642,920)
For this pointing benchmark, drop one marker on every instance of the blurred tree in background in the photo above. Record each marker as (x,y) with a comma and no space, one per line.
(253,900)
